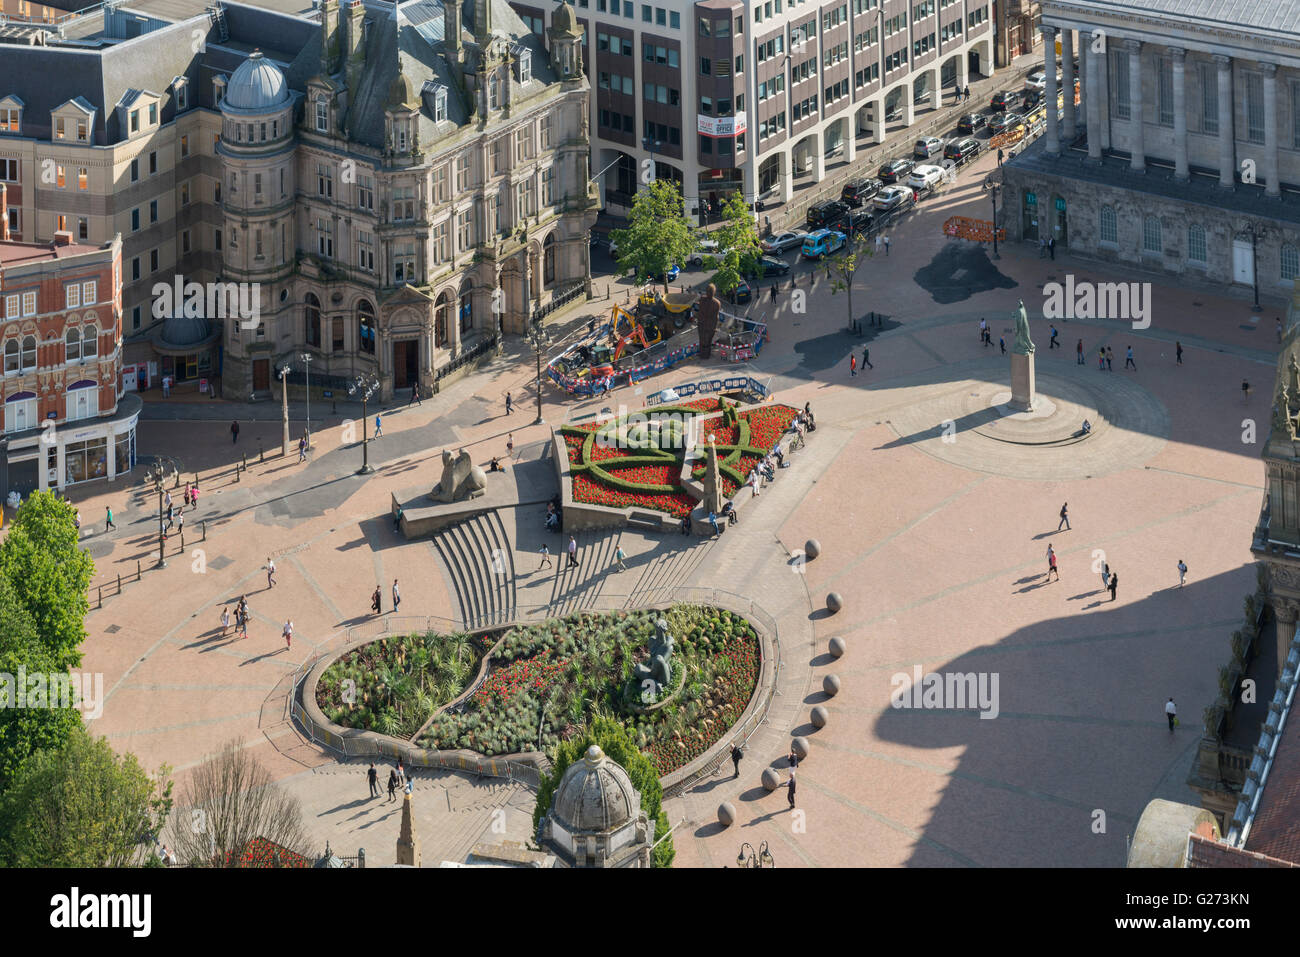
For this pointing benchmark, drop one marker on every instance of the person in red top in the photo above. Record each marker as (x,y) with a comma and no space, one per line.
(1051,564)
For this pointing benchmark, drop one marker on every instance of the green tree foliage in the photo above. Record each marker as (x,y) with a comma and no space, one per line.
(658,236)
(737,238)
(844,266)
(610,736)
(24,731)
(82,806)
(50,574)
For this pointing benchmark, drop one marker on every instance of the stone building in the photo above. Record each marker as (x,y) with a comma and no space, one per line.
(66,420)
(596,819)
(1184,154)
(382,187)
(1016,29)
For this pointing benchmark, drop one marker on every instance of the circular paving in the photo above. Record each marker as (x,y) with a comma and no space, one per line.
(968,423)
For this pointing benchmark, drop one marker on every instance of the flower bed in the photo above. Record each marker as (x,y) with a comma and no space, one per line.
(572,669)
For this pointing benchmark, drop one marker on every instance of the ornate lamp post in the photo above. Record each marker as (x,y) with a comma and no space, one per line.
(156,473)
(993,187)
(1257,231)
(751,858)
(284,406)
(535,338)
(306,365)
(366,388)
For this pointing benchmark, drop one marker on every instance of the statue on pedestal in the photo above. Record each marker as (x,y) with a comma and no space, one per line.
(706,318)
(461,479)
(653,677)
(1023,345)
(1022,364)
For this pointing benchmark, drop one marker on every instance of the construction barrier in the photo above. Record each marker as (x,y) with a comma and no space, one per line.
(1009,138)
(976,230)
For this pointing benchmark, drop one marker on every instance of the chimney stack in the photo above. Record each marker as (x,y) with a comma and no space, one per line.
(329,39)
(451,27)
(356,51)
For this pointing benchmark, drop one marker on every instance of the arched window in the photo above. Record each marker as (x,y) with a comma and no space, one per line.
(89,342)
(1151,241)
(1290,262)
(466,306)
(29,352)
(1196,243)
(72,345)
(12,364)
(440,320)
(1109,234)
(548,261)
(366,326)
(313,320)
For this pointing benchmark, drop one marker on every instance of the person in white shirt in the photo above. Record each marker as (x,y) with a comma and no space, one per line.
(1182,572)
(1171,712)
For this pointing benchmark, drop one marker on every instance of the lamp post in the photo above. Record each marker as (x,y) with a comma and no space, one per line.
(1257,231)
(306,365)
(993,187)
(284,406)
(535,337)
(157,476)
(367,388)
(753,859)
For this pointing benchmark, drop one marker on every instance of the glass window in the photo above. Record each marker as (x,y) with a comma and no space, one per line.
(1151,242)
(1196,243)
(1290,262)
(1107,227)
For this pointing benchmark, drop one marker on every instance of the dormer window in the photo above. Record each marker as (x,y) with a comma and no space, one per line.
(135,121)
(322,115)
(440,105)
(153,114)
(58,128)
(182,91)
(10,115)
(524,65)
(83,131)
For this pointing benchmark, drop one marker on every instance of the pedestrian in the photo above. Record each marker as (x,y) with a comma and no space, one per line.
(546,557)
(1053,344)
(792,758)
(1245,397)
(853,365)
(415,395)
(1178,346)
(194,496)
(1042,247)
(397,520)
(1128,359)
(379,426)
(866,358)
(886,245)
(234,431)
(880,243)
(984,331)
(225,621)
(790,786)
(686,525)
(1171,713)
(736,755)
(1101,359)
(397,597)
(729,510)
(392,785)
(1051,247)
(1182,572)
(375,601)
(772,293)
(509,404)
(713,520)
(573,552)
(288,635)
(1110,359)
(1105,576)
(767,225)
(510,443)
(270,572)
(76,519)
(1078,349)
(1065,517)
(373,777)
(180,522)
(1002,344)
(171,512)
(1114,581)
(619,556)
(1051,564)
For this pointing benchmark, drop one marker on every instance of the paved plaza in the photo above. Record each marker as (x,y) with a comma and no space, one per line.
(935,537)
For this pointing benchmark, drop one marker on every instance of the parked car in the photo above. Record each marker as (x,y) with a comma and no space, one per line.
(1003,122)
(924,177)
(823,242)
(708,249)
(742,293)
(894,170)
(1036,79)
(971,122)
(1032,99)
(893,199)
(860,220)
(859,191)
(927,147)
(825,213)
(769,266)
(673,272)
(782,242)
(1004,100)
(962,150)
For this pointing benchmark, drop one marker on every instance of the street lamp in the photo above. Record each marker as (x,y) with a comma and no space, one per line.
(367,388)
(1257,231)
(752,859)
(535,337)
(306,365)
(157,476)
(284,405)
(993,187)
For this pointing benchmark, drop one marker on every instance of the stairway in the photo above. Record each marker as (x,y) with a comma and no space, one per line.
(480,565)
(217,14)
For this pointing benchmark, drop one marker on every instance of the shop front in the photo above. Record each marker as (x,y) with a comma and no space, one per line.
(61,456)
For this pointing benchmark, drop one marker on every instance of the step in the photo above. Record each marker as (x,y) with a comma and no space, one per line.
(499,529)
(469,575)
(453,571)
(475,561)
(481,532)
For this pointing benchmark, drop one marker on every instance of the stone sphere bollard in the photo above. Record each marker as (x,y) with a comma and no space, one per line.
(820,716)
(800,748)
(812,548)
(771,780)
(838,647)
(834,602)
(831,685)
(726,814)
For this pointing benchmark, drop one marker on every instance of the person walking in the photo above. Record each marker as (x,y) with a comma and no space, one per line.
(1042,247)
(772,293)
(510,443)
(225,621)
(1053,344)
(1178,346)
(1114,582)
(736,755)
(194,496)
(686,525)
(375,600)
(853,365)
(1182,572)
(415,395)
(790,787)
(1105,576)
(1101,359)
(1051,247)
(1128,359)
(1171,713)
(866,358)
(886,245)
(397,597)
(509,404)
(1245,397)
(392,785)
(546,557)
(1051,564)
(302,449)
(372,776)
(1002,344)
(234,431)
(984,331)
(379,426)
(171,512)
(288,635)
(397,520)
(180,523)
(1065,517)
(619,556)
(1078,350)
(1110,359)
(573,552)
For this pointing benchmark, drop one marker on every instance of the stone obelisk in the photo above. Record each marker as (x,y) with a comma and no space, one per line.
(1022,365)
(712,482)
(408,843)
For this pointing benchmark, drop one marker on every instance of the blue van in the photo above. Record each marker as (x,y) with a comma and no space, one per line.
(822,243)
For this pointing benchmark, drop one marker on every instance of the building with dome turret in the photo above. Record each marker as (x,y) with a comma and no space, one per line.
(596,819)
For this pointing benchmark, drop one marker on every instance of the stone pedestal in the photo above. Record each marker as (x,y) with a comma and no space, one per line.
(1022,382)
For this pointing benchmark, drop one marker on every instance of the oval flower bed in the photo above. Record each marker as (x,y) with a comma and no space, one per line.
(608,469)
(549,680)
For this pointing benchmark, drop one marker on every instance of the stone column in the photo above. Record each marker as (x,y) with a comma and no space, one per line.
(850,126)
(1093,111)
(1286,612)
(1272,187)
(787,173)
(1180,112)
(1103,97)
(1049,98)
(1227,152)
(878,124)
(1135,105)
(963,69)
(1067,85)
(818,155)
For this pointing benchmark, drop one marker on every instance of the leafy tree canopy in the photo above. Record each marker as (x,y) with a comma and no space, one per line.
(737,239)
(658,236)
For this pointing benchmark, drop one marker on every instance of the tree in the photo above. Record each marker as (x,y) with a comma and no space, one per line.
(842,268)
(612,738)
(230,801)
(51,574)
(658,236)
(737,239)
(82,806)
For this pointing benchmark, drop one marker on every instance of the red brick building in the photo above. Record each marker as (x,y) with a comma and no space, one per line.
(66,419)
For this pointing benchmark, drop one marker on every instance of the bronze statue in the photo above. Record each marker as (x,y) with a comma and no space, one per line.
(461,478)
(1023,345)
(706,318)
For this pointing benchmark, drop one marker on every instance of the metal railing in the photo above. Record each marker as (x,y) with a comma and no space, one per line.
(562,297)
(465,358)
